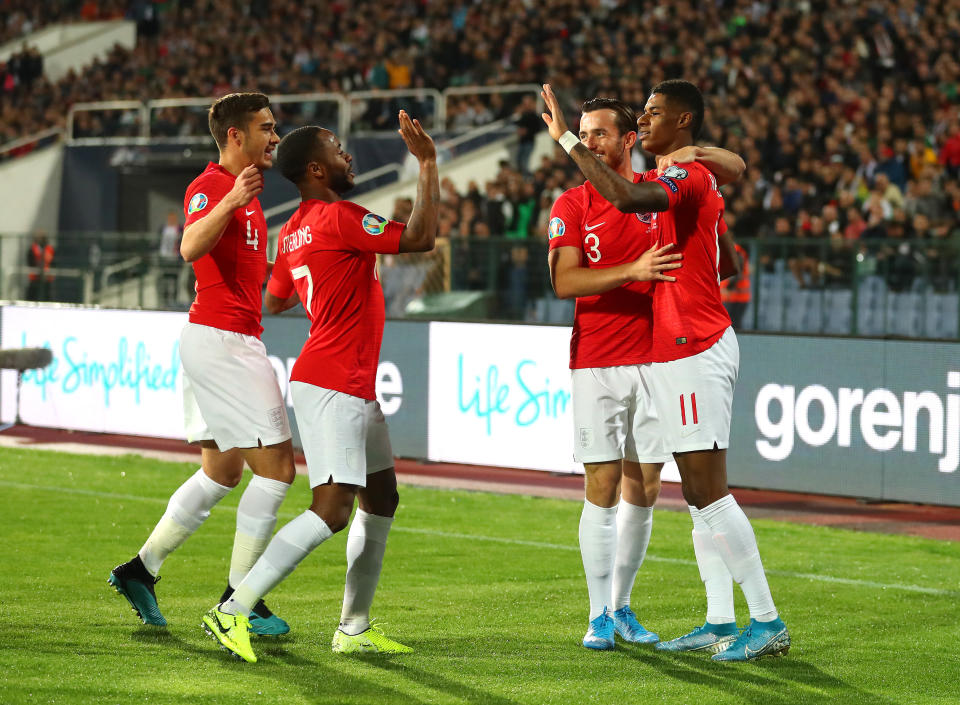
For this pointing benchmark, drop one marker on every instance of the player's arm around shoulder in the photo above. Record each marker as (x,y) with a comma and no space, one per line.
(726,166)
(202,235)
(420,235)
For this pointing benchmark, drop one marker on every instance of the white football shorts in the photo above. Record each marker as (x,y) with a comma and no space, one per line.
(694,395)
(613,417)
(345,438)
(230,391)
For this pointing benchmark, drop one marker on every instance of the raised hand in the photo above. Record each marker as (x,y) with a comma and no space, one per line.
(556,124)
(247,186)
(652,263)
(417,140)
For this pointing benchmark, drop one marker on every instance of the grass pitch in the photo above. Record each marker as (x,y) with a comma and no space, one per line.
(488,589)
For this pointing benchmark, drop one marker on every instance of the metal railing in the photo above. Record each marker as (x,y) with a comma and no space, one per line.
(147,131)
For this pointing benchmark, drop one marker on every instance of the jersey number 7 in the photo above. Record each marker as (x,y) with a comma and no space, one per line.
(300,273)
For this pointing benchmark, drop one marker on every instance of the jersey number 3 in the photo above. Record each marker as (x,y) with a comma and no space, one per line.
(593,247)
(253,239)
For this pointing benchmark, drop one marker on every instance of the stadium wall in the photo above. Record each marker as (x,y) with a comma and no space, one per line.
(30,197)
(878,419)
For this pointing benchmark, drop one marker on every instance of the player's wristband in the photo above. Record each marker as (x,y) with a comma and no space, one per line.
(568,140)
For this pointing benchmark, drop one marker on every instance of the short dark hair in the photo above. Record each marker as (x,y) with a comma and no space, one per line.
(688,96)
(233,110)
(626,117)
(296,150)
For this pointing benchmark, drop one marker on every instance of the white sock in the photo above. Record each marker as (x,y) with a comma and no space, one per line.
(713,572)
(634,525)
(598,545)
(366,544)
(187,509)
(733,536)
(292,544)
(256,517)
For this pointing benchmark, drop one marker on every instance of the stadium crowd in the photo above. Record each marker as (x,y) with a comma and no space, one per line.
(847,113)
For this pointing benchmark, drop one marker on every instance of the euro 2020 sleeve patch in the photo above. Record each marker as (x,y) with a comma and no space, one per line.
(197,203)
(373,224)
(555,228)
(675,172)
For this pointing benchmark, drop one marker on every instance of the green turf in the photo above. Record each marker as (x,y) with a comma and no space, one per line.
(488,589)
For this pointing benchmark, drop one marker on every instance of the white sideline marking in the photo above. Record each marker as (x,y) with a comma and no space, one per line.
(513,542)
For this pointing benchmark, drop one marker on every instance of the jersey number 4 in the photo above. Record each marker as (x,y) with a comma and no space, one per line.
(253,239)
(300,273)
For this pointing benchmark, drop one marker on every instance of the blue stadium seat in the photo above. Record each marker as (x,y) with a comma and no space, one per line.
(940,316)
(871,313)
(838,313)
(904,314)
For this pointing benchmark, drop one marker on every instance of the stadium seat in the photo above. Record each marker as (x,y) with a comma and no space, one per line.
(903,314)
(838,315)
(940,316)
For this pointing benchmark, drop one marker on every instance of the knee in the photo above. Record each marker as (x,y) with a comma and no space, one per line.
(383,502)
(226,476)
(336,515)
(338,519)
(601,489)
(287,474)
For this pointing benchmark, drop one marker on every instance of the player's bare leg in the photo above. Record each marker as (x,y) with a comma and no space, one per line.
(640,488)
(704,477)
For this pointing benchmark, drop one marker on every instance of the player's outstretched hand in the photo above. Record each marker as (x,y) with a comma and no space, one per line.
(684,155)
(556,125)
(653,263)
(247,186)
(417,140)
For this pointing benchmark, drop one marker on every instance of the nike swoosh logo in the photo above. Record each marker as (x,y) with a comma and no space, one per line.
(684,432)
(250,212)
(588,228)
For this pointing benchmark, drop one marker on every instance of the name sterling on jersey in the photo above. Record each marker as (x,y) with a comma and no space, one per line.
(297,239)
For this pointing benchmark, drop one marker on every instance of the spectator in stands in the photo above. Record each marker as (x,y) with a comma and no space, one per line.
(735,291)
(528,125)
(950,152)
(40,260)
(168,259)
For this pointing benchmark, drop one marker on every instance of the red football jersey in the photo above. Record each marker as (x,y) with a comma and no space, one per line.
(613,328)
(688,315)
(230,277)
(326,253)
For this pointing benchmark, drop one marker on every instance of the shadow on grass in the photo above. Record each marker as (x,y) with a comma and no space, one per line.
(767,681)
(439,683)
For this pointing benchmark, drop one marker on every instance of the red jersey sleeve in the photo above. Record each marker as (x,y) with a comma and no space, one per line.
(566,221)
(281,283)
(686,183)
(202,197)
(364,231)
